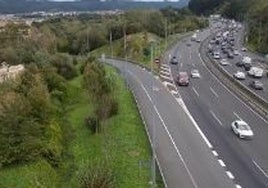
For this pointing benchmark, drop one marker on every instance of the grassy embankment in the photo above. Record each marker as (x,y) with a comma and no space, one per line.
(123,143)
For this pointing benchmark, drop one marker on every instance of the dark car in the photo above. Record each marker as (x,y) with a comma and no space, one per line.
(183,79)
(174,60)
(230,54)
(247,66)
(240,64)
(256,85)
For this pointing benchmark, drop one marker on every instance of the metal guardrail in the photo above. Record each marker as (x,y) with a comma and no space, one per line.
(249,97)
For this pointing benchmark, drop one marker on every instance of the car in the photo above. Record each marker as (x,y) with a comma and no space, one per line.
(242,129)
(236,52)
(239,64)
(224,62)
(198,40)
(188,44)
(230,54)
(216,55)
(183,79)
(247,66)
(256,84)
(174,60)
(243,49)
(195,73)
(240,75)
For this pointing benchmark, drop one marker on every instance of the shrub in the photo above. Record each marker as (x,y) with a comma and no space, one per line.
(96,176)
(93,124)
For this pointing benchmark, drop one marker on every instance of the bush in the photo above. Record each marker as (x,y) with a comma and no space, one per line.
(96,176)
(93,124)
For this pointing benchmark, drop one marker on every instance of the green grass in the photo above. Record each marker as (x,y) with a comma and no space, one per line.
(123,144)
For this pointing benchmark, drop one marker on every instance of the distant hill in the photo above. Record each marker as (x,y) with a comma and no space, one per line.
(23,6)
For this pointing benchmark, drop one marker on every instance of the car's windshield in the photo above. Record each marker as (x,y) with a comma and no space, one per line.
(244,127)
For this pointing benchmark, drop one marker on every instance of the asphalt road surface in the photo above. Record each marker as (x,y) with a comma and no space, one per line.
(214,107)
(184,155)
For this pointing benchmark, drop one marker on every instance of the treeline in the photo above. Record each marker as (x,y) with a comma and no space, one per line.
(253,12)
(33,108)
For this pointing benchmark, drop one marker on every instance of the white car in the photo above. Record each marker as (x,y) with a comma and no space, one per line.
(236,52)
(224,62)
(216,55)
(243,49)
(240,75)
(195,73)
(242,129)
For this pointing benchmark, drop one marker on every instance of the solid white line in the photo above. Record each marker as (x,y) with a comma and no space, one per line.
(215,117)
(166,129)
(258,166)
(195,91)
(150,140)
(176,148)
(232,92)
(238,186)
(221,163)
(230,175)
(215,153)
(236,115)
(214,92)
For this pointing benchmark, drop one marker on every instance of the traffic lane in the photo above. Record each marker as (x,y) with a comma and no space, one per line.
(193,149)
(225,144)
(172,166)
(196,153)
(225,108)
(225,113)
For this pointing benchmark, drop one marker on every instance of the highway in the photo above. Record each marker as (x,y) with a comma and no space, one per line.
(257,61)
(214,107)
(185,156)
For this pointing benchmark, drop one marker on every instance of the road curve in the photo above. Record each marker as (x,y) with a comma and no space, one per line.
(184,157)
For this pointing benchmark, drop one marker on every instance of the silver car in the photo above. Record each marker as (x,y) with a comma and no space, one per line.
(242,129)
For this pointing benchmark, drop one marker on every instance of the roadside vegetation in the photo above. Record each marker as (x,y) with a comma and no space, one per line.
(68,120)
(253,12)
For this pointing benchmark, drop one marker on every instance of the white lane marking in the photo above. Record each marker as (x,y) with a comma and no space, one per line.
(237,116)
(181,103)
(165,65)
(254,112)
(165,73)
(165,77)
(215,153)
(168,84)
(221,163)
(176,148)
(193,64)
(230,175)
(214,92)
(165,68)
(181,64)
(150,140)
(258,166)
(238,186)
(195,91)
(215,117)
(174,92)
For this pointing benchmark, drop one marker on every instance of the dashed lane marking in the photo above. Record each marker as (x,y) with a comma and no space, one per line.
(258,166)
(215,153)
(230,175)
(195,91)
(214,92)
(221,163)
(215,117)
